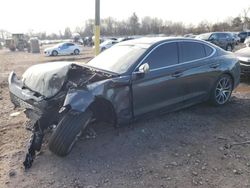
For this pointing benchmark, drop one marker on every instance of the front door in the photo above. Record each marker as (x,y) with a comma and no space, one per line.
(162,86)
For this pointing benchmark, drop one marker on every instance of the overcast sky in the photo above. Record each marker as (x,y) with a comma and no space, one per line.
(55,15)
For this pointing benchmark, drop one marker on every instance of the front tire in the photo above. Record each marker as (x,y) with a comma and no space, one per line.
(222,90)
(67,132)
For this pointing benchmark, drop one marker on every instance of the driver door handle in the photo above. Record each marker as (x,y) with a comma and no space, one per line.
(177,74)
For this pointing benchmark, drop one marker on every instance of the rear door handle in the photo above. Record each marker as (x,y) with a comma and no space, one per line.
(214,66)
(177,74)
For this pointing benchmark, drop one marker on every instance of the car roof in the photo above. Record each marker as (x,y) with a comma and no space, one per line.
(149,41)
(218,32)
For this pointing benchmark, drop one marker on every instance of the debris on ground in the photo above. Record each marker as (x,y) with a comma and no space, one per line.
(228,146)
(14,114)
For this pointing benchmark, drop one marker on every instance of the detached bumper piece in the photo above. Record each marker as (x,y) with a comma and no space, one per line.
(41,113)
(35,144)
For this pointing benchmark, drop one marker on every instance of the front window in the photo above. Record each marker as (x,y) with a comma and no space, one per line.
(59,45)
(117,59)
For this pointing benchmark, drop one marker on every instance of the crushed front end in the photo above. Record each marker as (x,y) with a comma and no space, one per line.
(41,113)
(42,92)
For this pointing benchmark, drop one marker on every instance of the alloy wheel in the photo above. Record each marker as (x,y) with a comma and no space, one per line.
(223,90)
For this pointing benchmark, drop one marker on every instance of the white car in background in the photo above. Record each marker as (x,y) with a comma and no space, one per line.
(107,44)
(66,48)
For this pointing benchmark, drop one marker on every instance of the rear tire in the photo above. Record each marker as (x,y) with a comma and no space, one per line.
(54,53)
(68,131)
(222,90)
(76,52)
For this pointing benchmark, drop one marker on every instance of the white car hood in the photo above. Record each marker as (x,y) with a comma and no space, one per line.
(50,49)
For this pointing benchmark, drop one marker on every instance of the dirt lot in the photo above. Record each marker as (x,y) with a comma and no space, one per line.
(187,148)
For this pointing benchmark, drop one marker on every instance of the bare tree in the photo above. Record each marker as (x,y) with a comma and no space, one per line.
(67,33)
(134,24)
(89,28)
(246,18)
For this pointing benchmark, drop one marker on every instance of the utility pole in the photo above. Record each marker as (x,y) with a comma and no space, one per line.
(97,27)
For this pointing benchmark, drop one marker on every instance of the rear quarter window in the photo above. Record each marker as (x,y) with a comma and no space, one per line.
(208,50)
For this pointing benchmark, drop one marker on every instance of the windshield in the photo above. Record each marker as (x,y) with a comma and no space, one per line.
(204,36)
(117,59)
(58,45)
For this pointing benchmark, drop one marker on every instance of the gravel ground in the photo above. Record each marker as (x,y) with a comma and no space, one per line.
(187,148)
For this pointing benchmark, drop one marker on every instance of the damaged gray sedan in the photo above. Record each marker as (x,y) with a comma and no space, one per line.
(129,80)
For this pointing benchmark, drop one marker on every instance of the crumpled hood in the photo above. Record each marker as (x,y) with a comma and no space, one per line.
(46,79)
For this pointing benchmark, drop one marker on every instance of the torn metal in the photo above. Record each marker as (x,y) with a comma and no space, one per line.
(50,90)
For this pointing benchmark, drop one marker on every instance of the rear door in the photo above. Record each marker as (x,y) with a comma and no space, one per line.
(163,85)
(70,48)
(64,49)
(200,69)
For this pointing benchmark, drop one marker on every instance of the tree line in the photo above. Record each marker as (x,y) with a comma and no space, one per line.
(148,26)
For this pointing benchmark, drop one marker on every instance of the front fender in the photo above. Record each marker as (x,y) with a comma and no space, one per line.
(78,100)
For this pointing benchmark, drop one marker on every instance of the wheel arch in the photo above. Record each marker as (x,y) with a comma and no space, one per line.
(104,110)
(54,50)
(231,76)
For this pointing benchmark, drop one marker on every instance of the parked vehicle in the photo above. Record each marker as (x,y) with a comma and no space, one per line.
(87,41)
(17,42)
(224,40)
(122,39)
(128,81)
(107,44)
(244,57)
(243,35)
(66,48)
(77,38)
(247,41)
(236,38)
(190,35)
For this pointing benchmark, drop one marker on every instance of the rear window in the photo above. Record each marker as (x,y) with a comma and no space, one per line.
(190,51)
(242,34)
(70,44)
(222,35)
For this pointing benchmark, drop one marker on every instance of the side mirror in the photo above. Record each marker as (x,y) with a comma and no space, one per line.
(144,68)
